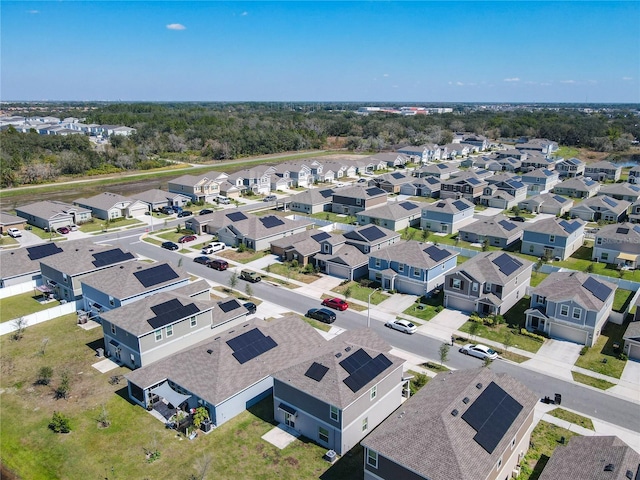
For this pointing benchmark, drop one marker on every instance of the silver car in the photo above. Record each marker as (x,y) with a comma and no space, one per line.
(479,351)
(402,325)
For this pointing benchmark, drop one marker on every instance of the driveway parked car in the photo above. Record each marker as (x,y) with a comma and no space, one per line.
(205,211)
(169,246)
(63,230)
(218,264)
(336,303)
(479,351)
(322,314)
(185,213)
(14,232)
(518,219)
(252,307)
(187,238)
(213,247)
(402,325)
(202,260)
(167,210)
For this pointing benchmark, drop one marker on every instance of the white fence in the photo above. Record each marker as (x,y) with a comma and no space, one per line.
(43,316)
(12,290)
(325,225)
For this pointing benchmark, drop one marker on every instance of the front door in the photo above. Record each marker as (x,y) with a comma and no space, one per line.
(289,420)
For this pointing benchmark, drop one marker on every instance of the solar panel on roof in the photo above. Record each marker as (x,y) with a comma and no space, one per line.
(110,257)
(271,221)
(326,193)
(229,305)
(372,233)
(460,205)
(397,175)
(171,311)
(156,275)
(441,166)
(559,199)
(473,181)
(408,205)
(507,264)
(588,183)
(621,230)
(316,371)
(636,229)
(374,191)
(570,227)
(236,216)
(508,226)
(609,201)
(250,345)
(491,415)
(318,237)
(516,184)
(599,290)
(440,204)
(43,251)
(635,188)
(367,372)
(356,360)
(436,253)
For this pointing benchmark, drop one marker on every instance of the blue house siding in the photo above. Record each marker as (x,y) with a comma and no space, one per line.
(411,280)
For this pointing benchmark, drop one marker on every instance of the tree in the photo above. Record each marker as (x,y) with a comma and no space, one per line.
(485,245)
(507,341)
(44,375)
(65,385)
(487,362)
(538,265)
(348,292)
(444,352)
(589,268)
(248,290)
(233,280)
(103,418)
(473,329)
(200,416)
(424,234)
(19,325)
(60,423)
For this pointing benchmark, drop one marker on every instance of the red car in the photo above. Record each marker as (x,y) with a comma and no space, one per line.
(336,303)
(63,230)
(187,238)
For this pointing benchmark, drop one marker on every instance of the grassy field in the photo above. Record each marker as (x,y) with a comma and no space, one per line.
(31,450)
(21,305)
(572,417)
(591,381)
(581,259)
(425,308)
(361,293)
(544,440)
(241,257)
(97,225)
(292,273)
(601,357)
(497,334)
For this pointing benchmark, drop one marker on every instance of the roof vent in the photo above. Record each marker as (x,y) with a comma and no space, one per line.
(217,338)
(478,386)
(139,268)
(231,331)
(465,400)
(338,355)
(77,249)
(609,467)
(122,266)
(348,349)
(629,475)
(454,412)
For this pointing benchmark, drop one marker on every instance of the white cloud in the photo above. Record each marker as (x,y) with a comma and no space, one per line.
(513,79)
(244,14)
(545,84)
(33,12)
(530,82)
(627,78)
(176,26)
(385,74)
(567,81)
(460,84)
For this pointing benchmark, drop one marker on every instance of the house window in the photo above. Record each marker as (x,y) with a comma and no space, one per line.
(323,434)
(365,424)
(112,302)
(333,413)
(372,458)
(530,248)
(374,392)
(455,283)
(487,287)
(358,201)
(604,256)
(401,267)
(552,238)
(499,464)
(193,321)
(564,310)
(377,262)
(577,313)
(169,330)
(326,247)
(474,287)
(599,241)
(158,334)
(416,272)
(541,299)
(65,278)
(113,329)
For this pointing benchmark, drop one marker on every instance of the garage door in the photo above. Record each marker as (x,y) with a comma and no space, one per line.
(634,351)
(460,303)
(138,210)
(339,271)
(567,333)
(404,286)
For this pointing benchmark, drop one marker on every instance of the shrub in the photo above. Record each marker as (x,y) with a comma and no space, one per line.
(584,350)
(439,308)
(242,248)
(60,423)
(476,319)
(417,382)
(535,336)
(44,375)
(623,356)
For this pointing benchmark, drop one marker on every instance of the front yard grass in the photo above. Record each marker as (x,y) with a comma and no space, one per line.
(241,257)
(621,299)
(591,381)
(23,304)
(334,217)
(581,259)
(361,293)
(497,334)
(52,235)
(292,273)
(572,417)
(602,358)
(426,308)
(435,367)
(98,225)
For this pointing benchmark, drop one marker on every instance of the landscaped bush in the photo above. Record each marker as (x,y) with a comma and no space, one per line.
(60,423)
(584,350)
(439,308)
(623,356)
(535,336)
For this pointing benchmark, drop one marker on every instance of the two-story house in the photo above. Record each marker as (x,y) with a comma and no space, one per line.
(391,182)
(443,171)
(634,213)
(393,215)
(354,199)
(497,231)
(470,424)
(257,180)
(466,185)
(53,214)
(631,335)
(391,159)
(510,164)
(552,238)
(503,195)
(634,175)
(313,200)
(370,238)
(447,216)
(108,206)
(541,145)
(411,267)
(572,306)
(618,244)
(547,203)
(422,187)
(603,171)
(570,168)
(156,199)
(621,191)
(577,187)
(488,283)
(337,397)
(422,153)
(301,246)
(199,188)
(538,161)
(299,174)
(601,208)
(540,180)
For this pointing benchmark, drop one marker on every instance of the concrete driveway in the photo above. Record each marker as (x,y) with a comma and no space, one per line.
(489,212)
(444,324)
(629,384)
(555,357)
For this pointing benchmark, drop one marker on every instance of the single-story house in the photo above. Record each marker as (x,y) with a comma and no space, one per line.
(601,208)
(10,221)
(53,214)
(618,244)
(552,237)
(621,191)
(498,231)
(394,215)
(156,199)
(578,187)
(631,338)
(547,203)
(108,206)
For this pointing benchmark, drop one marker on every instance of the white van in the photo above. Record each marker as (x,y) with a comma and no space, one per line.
(223,200)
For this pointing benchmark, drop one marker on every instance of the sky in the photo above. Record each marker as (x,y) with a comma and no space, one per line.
(380,51)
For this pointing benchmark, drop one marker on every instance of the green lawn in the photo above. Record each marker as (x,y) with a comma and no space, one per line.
(47,235)
(334,217)
(572,417)
(591,381)
(98,225)
(292,273)
(24,304)
(581,259)
(537,278)
(242,257)
(362,293)
(497,334)
(601,357)
(621,299)
(425,308)
(435,367)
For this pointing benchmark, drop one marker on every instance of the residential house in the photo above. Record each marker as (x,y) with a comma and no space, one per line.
(497,231)
(597,457)
(447,216)
(129,282)
(456,150)
(370,238)
(340,395)
(547,203)
(422,187)
(510,164)
(502,177)
(422,153)
(392,159)
(466,185)
(156,199)
(231,372)
(199,188)
(570,168)
(512,153)
(53,214)
(601,208)
(10,221)
(394,215)
(572,306)
(542,145)
(391,182)
(64,271)
(488,283)
(621,191)
(339,169)
(256,180)
(552,238)
(486,162)
(443,171)
(366,165)
(603,170)
(257,233)
(631,336)
(298,174)
(302,246)
(229,190)
(470,424)
(354,199)
(411,267)
(617,244)
(634,175)
(504,195)
(479,141)
(160,325)
(577,187)
(109,206)
(540,180)
(536,162)
(280,177)
(634,215)
(313,200)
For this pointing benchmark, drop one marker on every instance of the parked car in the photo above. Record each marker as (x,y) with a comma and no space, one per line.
(479,351)
(169,246)
(518,219)
(340,184)
(167,210)
(73,228)
(202,260)
(187,238)
(14,232)
(362,180)
(63,230)
(336,303)
(252,307)
(213,247)
(205,211)
(322,314)
(218,264)
(270,198)
(250,276)
(403,325)
(223,200)
(185,213)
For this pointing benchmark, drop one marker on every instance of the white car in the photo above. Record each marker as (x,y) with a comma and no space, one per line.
(340,184)
(213,247)
(479,351)
(14,232)
(403,325)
